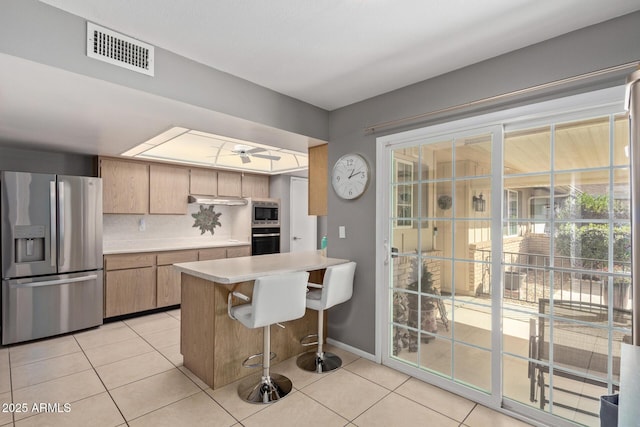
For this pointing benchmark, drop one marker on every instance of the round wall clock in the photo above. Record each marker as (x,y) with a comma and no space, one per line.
(350,176)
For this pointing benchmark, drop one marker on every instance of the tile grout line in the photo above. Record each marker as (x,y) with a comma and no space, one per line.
(173,367)
(469,414)
(13,415)
(326,407)
(103,384)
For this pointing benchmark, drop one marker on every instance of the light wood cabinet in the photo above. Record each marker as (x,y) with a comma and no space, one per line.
(125,188)
(123,261)
(212,253)
(129,291)
(203,181)
(229,184)
(238,251)
(129,283)
(255,185)
(143,281)
(168,189)
(318,179)
(168,278)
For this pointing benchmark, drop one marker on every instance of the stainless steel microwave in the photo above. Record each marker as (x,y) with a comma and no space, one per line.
(265,213)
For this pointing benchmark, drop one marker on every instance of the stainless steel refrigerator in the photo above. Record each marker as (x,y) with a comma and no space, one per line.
(51,235)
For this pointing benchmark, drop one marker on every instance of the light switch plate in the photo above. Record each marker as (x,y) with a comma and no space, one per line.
(342,233)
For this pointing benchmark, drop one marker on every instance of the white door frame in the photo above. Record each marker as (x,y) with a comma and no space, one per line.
(601,100)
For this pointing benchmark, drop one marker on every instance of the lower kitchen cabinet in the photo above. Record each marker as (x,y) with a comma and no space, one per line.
(168,289)
(168,278)
(143,281)
(130,290)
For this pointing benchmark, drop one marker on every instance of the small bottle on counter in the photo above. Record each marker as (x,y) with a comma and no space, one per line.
(323,245)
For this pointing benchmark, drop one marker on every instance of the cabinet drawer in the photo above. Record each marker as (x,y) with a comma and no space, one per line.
(238,251)
(212,253)
(122,261)
(167,258)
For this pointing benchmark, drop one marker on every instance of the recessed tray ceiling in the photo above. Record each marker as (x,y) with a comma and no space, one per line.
(193,147)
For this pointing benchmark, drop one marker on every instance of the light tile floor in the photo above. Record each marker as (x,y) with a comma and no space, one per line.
(130,373)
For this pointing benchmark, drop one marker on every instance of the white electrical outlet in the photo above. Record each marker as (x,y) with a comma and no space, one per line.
(142,225)
(342,233)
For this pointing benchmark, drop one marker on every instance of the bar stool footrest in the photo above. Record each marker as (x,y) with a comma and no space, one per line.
(313,363)
(245,363)
(304,341)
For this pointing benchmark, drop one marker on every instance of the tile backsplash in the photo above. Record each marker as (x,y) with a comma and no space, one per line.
(235,224)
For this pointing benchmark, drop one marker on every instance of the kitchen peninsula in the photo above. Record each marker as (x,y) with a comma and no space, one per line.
(212,344)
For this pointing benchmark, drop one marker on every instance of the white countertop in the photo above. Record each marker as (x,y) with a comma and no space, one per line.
(235,270)
(158,245)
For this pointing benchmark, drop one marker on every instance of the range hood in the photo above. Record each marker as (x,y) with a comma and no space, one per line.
(217,200)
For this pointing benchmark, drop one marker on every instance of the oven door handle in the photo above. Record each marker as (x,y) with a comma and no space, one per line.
(267,235)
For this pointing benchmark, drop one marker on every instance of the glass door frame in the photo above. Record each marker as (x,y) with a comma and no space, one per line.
(385,165)
(606,101)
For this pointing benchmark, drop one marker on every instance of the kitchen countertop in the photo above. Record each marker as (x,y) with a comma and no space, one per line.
(236,270)
(159,245)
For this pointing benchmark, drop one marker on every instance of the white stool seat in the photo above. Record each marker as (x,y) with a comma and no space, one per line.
(337,287)
(277,298)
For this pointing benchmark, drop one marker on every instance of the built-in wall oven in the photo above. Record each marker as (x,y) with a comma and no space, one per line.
(265,227)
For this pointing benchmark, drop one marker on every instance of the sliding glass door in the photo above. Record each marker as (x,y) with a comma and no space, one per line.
(508,259)
(441,198)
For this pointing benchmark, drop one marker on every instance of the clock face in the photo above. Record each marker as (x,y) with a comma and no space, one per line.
(350,176)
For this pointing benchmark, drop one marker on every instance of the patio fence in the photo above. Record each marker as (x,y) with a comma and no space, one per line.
(527,279)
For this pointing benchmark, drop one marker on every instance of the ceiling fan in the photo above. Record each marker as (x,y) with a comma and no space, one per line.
(245,152)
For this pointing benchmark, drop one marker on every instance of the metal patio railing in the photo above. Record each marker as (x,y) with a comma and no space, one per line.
(527,278)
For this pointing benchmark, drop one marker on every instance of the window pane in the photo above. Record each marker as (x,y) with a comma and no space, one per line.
(621,194)
(580,145)
(473,198)
(473,156)
(519,145)
(621,140)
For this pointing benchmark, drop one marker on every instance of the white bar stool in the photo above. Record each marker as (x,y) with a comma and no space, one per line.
(336,288)
(277,298)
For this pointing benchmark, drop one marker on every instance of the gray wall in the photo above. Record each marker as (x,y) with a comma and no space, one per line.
(608,44)
(38,32)
(21,160)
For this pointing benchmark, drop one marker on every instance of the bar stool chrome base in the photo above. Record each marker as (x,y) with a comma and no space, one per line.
(264,389)
(312,362)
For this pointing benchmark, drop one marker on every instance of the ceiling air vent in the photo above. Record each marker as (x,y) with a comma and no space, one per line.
(118,49)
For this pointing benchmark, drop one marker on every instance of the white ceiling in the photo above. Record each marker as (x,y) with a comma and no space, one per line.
(329,53)
(332,53)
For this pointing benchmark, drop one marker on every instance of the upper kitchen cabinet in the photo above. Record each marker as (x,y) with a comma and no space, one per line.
(229,184)
(125,188)
(318,179)
(168,189)
(204,181)
(255,185)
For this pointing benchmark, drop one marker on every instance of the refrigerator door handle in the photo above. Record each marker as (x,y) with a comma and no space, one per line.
(53,223)
(61,222)
(54,282)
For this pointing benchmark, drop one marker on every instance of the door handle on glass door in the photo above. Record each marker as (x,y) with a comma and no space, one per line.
(297,238)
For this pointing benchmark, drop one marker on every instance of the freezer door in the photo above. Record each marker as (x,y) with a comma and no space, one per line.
(80,223)
(28,218)
(51,305)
